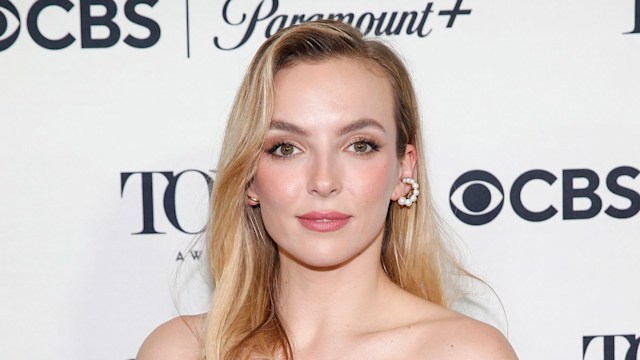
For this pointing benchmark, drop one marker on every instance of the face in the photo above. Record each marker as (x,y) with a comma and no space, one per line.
(329,167)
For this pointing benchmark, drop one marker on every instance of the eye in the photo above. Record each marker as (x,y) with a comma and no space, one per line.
(283,150)
(476,197)
(363,146)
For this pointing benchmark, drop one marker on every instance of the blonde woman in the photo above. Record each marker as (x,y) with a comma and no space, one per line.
(322,240)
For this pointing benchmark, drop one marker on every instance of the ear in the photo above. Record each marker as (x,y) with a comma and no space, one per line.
(406,169)
(252,198)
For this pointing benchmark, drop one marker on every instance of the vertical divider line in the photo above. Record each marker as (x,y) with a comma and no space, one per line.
(188,35)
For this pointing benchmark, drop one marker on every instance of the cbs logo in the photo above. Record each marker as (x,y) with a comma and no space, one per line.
(94,15)
(9,26)
(477,196)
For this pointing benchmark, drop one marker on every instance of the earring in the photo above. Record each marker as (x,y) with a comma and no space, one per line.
(412,196)
(253,199)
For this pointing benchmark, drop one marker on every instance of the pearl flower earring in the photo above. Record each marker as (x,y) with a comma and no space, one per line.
(412,196)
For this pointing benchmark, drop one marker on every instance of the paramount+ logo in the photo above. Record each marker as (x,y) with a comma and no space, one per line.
(477,197)
(390,23)
(93,21)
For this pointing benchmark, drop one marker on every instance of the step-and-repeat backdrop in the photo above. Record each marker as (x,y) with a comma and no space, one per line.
(111,115)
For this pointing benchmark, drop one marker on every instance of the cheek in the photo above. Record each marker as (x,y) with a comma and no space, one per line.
(373,181)
(275,183)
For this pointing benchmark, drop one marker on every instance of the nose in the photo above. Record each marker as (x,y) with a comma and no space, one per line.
(325,176)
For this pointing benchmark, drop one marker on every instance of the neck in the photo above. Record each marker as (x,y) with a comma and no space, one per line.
(340,300)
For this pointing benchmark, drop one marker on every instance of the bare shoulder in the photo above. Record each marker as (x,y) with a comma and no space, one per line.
(466,338)
(428,331)
(176,339)
(460,337)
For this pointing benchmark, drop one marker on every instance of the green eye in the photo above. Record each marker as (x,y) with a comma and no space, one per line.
(360,146)
(286,149)
(283,150)
(363,146)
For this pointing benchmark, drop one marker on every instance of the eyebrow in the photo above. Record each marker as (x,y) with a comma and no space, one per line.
(359,125)
(288,127)
(354,126)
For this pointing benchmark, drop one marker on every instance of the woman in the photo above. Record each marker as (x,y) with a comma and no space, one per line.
(321,242)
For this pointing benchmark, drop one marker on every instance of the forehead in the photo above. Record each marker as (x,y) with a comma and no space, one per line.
(333,92)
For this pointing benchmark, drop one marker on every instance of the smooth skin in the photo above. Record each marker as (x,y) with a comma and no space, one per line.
(331,148)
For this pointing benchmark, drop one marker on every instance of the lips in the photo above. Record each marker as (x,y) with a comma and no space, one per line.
(324,221)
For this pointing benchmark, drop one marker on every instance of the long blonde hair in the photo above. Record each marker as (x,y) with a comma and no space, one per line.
(243,320)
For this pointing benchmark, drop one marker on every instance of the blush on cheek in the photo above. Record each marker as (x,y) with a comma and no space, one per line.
(278,183)
(373,182)
(291,187)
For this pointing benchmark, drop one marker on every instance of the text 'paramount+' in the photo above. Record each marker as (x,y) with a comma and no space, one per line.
(265,17)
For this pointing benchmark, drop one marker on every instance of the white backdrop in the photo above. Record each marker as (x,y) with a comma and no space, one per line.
(510,87)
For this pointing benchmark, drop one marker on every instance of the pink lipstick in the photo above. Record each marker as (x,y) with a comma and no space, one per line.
(322,221)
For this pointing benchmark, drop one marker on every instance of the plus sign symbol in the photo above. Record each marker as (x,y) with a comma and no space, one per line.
(453,13)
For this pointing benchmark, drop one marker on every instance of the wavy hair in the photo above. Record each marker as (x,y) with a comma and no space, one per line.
(243,320)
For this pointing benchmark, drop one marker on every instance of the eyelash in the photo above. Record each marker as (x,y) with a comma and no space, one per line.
(367,141)
(272,150)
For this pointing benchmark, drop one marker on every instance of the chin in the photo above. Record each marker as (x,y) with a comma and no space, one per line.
(321,258)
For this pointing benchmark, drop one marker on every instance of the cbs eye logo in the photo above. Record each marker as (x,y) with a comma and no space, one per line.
(476,197)
(9,24)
